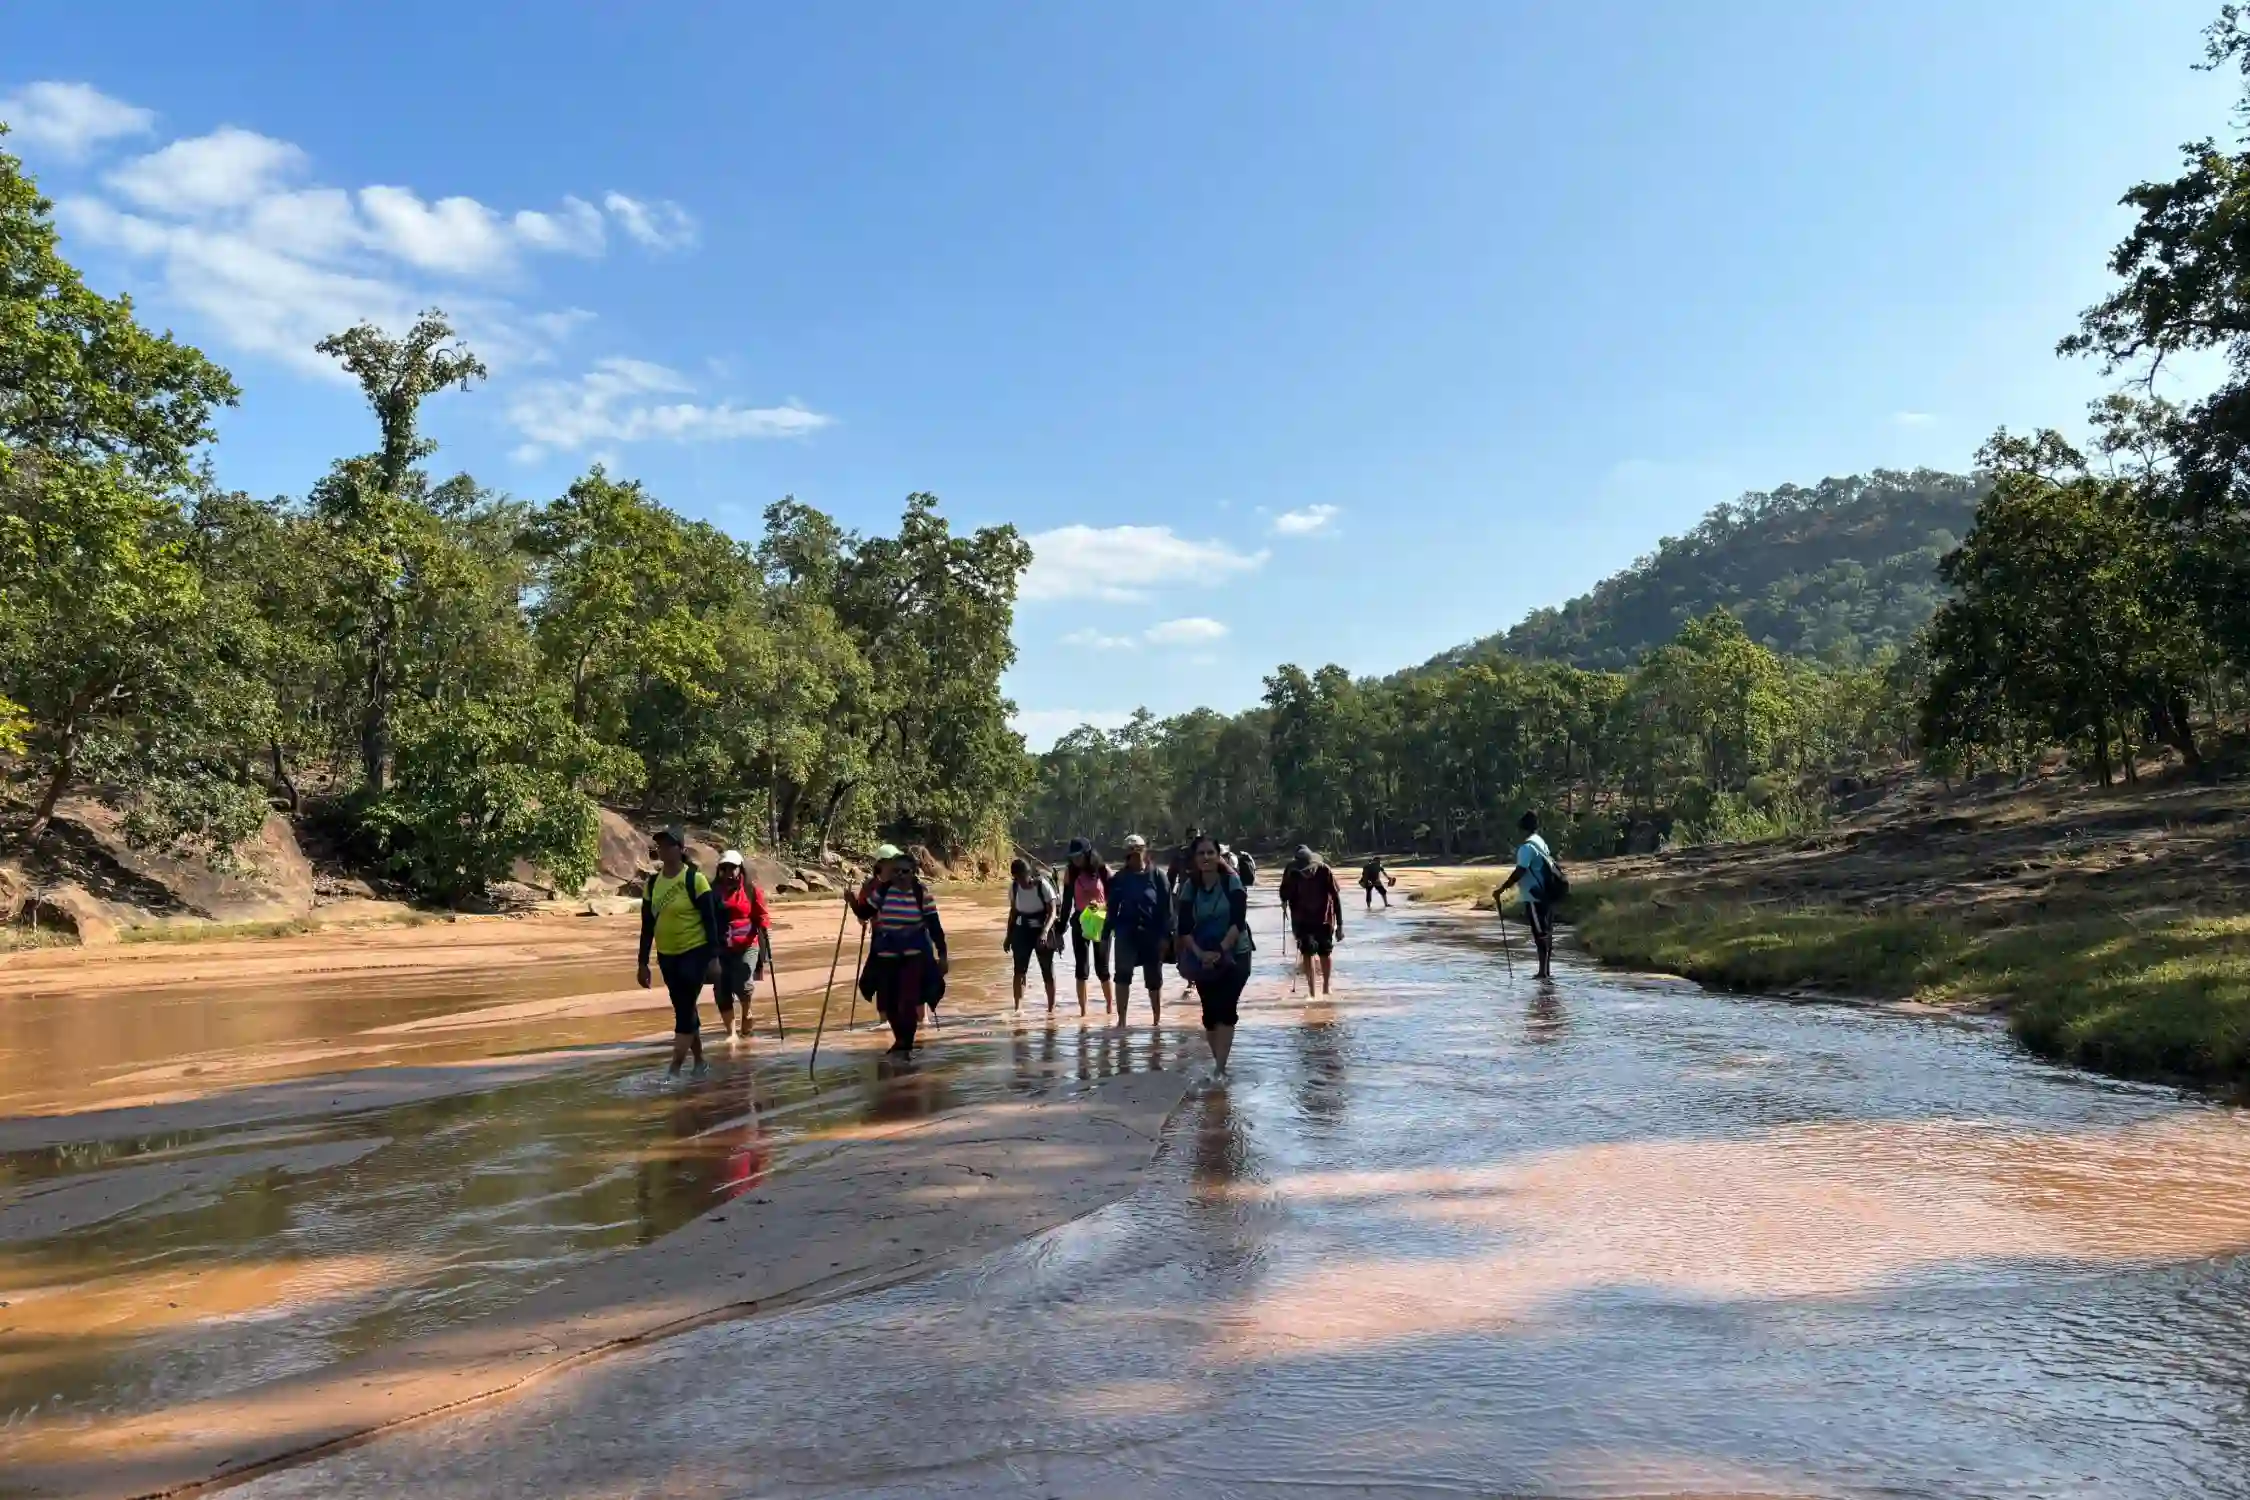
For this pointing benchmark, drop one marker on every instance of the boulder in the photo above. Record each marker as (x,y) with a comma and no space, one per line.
(275,883)
(930,865)
(92,918)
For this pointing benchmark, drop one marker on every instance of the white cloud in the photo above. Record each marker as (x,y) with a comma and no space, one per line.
(71,119)
(614,402)
(1311,519)
(1195,630)
(229,168)
(1041,727)
(662,225)
(1094,640)
(227,227)
(1913,418)
(1123,563)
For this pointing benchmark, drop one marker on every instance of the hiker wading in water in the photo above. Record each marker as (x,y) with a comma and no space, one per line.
(1141,918)
(906,961)
(1214,944)
(680,917)
(1316,913)
(1085,911)
(742,956)
(1031,913)
(1542,880)
(1376,881)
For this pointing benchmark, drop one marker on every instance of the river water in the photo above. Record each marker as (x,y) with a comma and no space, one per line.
(1456,1233)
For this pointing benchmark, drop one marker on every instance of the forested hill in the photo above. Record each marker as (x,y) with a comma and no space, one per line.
(1849,563)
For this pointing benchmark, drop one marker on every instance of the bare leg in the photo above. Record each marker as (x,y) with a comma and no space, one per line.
(1305,962)
(1109,1002)
(1222,1043)
(679,1051)
(1082,997)
(1156,1003)
(1327,972)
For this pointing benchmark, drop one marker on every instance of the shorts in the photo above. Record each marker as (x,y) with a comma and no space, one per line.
(1079,948)
(1316,942)
(1149,959)
(1024,946)
(1539,916)
(738,975)
(1220,991)
(683,981)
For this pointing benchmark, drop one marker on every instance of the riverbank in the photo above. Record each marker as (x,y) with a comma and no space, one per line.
(2110,928)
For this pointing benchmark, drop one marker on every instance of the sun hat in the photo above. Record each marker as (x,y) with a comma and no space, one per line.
(888,851)
(731,857)
(1135,841)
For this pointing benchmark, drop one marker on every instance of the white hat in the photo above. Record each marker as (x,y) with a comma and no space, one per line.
(1135,841)
(731,857)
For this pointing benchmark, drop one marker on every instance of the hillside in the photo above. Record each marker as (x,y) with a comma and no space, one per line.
(1848,565)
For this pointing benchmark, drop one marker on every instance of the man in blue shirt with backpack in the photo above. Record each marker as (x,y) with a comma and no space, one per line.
(1140,919)
(1543,885)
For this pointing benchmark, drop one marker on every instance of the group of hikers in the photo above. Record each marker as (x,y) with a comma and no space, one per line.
(1193,912)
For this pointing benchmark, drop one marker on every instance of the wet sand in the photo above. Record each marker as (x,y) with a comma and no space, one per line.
(1444,1234)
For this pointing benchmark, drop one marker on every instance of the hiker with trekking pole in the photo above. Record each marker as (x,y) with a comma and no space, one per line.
(1543,884)
(742,951)
(1315,904)
(906,959)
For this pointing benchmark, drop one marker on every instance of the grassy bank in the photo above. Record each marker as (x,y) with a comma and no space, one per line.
(2162,993)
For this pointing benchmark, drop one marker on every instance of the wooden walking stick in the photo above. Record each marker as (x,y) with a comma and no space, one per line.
(833,961)
(773,976)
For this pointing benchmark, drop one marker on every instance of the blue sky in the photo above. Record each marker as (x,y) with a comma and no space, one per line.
(1293,332)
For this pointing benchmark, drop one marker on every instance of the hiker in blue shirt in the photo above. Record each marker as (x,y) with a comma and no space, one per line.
(1141,918)
(1540,876)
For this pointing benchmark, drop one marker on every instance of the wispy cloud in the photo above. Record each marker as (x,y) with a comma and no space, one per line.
(1306,522)
(1195,630)
(619,401)
(1126,563)
(1912,418)
(660,226)
(71,119)
(1041,727)
(231,228)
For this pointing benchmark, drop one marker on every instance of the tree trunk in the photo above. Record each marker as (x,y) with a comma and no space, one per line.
(375,721)
(58,779)
(836,796)
(2101,742)
(281,773)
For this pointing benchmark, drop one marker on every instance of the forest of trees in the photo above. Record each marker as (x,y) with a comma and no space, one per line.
(2094,602)
(1841,570)
(447,676)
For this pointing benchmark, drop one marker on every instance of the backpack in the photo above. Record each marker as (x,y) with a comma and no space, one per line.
(1554,885)
(1245,868)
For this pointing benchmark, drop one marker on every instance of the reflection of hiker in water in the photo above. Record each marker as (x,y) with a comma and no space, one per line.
(1375,881)
(1543,885)
(680,919)
(906,961)
(1085,911)
(1316,913)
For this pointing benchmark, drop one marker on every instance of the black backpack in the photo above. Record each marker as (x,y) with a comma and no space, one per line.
(1245,868)
(1556,885)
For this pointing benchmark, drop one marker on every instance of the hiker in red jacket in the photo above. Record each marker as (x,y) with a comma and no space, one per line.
(1316,912)
(747,935)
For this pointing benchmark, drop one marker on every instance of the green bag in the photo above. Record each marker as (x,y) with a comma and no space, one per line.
(1091,920)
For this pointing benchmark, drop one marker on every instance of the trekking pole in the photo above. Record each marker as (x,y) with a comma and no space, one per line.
(824,994)
(1500,910)
(857,969)
(773,976)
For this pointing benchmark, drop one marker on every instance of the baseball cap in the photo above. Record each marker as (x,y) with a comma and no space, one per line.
(1135,841)
(731,857)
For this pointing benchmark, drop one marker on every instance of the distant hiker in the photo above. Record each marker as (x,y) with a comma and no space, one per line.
(1376,881)
(1031,913)
(1141,919)
(1183,858)
(1245,868)
(747,937)
(906,961)
(1542,885)
(1214,944)
(1316,912)
(680,916)
(1085,911)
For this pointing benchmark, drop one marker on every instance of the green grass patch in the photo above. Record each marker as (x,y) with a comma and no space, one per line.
(2165,995)
(1470,884)
(226,932)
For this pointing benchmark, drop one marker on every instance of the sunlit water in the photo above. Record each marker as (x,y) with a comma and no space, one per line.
(1456,1234)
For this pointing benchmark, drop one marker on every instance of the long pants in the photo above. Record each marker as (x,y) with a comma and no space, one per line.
(898,979)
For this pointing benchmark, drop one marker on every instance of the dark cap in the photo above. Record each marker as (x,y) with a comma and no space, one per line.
(673,834)
(1080,846)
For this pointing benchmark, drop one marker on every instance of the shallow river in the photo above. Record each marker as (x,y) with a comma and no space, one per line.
(1449,1233)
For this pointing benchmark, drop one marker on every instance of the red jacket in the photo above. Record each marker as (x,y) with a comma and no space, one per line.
(742,911)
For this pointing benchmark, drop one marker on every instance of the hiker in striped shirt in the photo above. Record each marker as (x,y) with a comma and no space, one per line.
(906,961)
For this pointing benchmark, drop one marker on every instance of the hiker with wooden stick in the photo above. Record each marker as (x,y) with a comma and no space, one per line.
(906,961)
